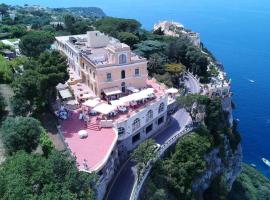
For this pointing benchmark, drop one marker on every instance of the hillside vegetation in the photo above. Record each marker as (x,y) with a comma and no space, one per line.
(250,185)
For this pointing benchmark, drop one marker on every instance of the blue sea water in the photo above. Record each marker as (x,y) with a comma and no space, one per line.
(237,32)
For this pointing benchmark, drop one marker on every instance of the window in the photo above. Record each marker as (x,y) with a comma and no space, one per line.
(109,77)
(137,72)
(123,74)
(149,115)
(136,138)
(123,86)
(122,59)
(121,131)
(160,120)
(136,124)
(161,108)
(149,128)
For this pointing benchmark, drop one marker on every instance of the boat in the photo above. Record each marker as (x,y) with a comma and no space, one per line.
(252,81)
(267,162)
(253,165)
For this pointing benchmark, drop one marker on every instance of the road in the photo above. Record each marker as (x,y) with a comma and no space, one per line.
(121,186)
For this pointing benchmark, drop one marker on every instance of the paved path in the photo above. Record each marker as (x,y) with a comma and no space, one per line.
(7,93)
(121,187)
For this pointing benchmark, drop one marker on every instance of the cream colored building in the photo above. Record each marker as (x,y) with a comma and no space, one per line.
(107,66)
(101,66)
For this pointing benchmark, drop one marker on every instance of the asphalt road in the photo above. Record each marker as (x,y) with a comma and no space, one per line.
(121,187)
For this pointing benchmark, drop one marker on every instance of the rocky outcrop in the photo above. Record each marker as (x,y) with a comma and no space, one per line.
(221,162)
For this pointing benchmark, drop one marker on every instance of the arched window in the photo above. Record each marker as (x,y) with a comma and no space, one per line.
(161,108)
(122,59)
(121,131)
(123,74)
(136,124)
(149,115)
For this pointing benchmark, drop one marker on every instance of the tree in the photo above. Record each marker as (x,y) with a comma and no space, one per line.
(36,86)
(3,8)
(155,64)
(164,78)
(28,176)
(172,177)
(149,47)
(194,104)
(81,27)
(128,38)
(113,26)
(175,70)
(197,61)
(5,71)
(69,22)
(46,143)
(35,42)
(158,31)
(17,31)
(144,152)
(2,106)
(20,106)
(21,133)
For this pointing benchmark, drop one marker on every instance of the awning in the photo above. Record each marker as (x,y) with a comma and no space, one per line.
(72,102)
(104,108)
(143,94)
(117,103)
(65,94)
(112,91)
(91,103)
(172,91)
(133,89)
(61,86)
(87,96)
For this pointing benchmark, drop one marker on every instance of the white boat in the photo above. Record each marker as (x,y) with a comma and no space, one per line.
(253,165)
(267,162)
(252,81)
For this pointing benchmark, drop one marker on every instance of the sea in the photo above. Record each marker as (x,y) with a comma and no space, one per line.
(238,34)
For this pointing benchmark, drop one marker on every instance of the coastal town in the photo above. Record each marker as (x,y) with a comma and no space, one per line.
(103,105)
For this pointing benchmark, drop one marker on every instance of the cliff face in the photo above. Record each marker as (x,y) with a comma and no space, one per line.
(222,163)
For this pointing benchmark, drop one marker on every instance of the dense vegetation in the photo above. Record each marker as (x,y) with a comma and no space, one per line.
(171,178)
(215,120)
(250,185)
(35,88)
(87,12)
(159,49)
(30,176)
(21,133)
(33,169)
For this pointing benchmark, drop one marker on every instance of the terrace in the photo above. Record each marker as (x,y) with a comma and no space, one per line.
(91,152)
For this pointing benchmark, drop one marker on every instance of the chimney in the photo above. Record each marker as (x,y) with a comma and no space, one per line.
(96,39)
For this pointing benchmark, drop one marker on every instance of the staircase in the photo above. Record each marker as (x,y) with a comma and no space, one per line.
(93,126)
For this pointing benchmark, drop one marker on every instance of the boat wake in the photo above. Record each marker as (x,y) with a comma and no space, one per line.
(251,81)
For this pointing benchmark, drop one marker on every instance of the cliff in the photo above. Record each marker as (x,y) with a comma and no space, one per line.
(223,169)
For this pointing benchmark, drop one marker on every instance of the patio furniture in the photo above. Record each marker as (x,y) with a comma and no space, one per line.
(82,134)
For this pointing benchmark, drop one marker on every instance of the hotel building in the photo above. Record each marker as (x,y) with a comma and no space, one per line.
(103,73)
